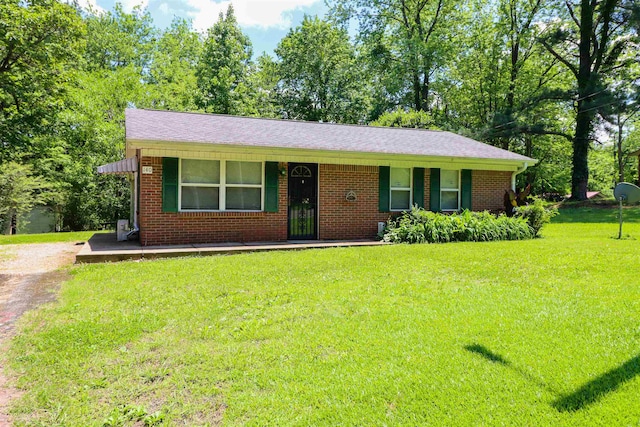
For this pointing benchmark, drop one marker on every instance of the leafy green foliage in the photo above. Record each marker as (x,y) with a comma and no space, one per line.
(406,119)
(39,42)
(593,41)
(422,226)
(20,190)
(319,74)
(172,73)
(537,214)
(223,68)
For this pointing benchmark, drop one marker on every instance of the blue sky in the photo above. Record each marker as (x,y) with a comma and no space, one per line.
(266,22)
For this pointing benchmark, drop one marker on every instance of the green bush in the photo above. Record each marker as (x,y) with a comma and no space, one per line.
(421,226)
(536,214)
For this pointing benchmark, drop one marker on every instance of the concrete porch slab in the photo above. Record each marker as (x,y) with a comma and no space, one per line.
(103,247)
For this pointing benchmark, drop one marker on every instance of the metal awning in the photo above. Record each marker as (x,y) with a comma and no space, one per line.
(124,166)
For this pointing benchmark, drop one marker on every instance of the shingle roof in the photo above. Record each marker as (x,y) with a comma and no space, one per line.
(167,126)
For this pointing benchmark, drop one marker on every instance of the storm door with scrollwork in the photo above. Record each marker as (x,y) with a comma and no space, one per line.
(303,201)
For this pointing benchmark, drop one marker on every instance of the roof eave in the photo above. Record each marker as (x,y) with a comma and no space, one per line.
(189,146)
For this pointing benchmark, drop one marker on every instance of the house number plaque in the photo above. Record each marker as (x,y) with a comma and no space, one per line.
(147,170)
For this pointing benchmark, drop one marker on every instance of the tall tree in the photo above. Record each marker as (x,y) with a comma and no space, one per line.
(407,42)
(224,66)
(172,73)
(39,40)
(118,39)
(318,72)
(592,42)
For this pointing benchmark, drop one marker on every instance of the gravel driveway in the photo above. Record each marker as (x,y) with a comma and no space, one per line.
(29,276)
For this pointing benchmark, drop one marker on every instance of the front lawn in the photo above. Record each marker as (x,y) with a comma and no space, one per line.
(537,332)
(75,236)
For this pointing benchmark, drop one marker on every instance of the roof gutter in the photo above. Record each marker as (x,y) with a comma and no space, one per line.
(517,172)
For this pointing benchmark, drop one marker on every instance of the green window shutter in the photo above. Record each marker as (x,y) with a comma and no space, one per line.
(434,194)
(384,188)
(271,176)
(465,198)
(418,187)
(169,184)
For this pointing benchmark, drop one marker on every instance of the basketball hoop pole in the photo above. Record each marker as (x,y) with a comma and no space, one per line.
(620,216)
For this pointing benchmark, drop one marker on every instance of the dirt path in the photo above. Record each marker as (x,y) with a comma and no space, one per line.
(29,276)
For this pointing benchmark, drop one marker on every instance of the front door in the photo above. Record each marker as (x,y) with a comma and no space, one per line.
(303,201)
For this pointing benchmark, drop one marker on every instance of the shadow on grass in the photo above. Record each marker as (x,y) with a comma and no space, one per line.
(486,353)
(496,358)
(597,388)
(589,393)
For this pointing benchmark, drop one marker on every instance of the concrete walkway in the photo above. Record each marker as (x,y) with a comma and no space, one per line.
(103,247)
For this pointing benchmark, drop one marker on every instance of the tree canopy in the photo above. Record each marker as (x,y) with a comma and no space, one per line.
(555,80)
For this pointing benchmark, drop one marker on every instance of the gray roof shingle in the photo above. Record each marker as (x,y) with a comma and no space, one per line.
(167,126)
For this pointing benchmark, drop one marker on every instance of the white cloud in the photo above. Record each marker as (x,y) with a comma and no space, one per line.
(249,13)
(164,8)
(128,5)
(89,5)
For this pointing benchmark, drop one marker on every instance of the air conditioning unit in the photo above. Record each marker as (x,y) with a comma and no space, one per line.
(122,229)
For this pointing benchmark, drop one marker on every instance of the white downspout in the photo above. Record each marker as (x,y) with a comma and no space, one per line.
(517,172)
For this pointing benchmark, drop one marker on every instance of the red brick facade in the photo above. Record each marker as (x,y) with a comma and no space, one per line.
(163,228)
(341,219)
(338,218)
(487,189)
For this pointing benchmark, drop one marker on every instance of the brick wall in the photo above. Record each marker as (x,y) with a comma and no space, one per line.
(341,219)
(338,218)
(160,228)
(488,189)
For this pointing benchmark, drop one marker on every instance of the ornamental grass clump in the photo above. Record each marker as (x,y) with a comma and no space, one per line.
(421,226)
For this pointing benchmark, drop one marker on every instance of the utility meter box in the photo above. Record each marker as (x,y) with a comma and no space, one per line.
(122,229)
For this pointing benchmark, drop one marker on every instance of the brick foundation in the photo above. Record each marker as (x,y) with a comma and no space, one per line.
(338,218)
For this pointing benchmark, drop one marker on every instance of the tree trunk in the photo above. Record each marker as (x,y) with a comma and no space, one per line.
(584,118)
(620,153)
(581,140)
(416,91)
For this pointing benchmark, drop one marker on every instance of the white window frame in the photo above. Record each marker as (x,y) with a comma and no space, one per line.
(222,186)
(410,188)
(457,190)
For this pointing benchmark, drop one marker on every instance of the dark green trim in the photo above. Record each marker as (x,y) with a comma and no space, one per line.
(271,177)
(434,192)
(465,198)
(169,184)
(384,189)
(418,187)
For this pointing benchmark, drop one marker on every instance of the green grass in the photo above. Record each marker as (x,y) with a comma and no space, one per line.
(538,332)
(597,214)
(76,236)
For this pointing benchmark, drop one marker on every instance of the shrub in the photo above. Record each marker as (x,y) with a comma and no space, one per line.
(536,215)
(421,226)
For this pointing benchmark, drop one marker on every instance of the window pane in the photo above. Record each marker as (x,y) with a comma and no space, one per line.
(200,198)
(401,177)
(448,179)
(201,171)
(243,199)
(400,199)
(244,173)
(449,200)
